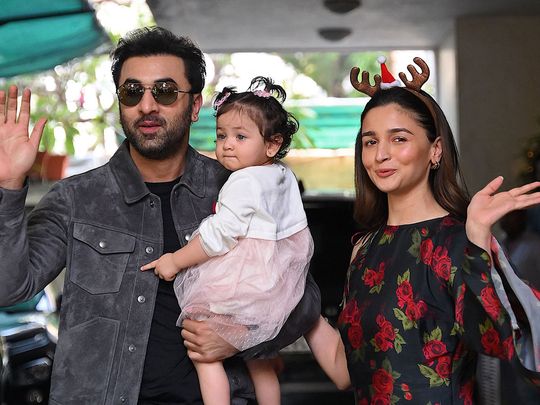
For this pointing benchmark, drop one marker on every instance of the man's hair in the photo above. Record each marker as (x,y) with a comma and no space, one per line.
(152,41)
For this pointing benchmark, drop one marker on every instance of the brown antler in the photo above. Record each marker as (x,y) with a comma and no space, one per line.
(364,86)
(418,79)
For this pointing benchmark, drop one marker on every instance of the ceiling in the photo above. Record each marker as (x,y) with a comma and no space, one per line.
(291,25)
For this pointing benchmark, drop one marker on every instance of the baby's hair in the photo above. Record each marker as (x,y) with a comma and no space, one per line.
(262,102)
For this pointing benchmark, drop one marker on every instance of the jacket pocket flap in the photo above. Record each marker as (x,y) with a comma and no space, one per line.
(103,240)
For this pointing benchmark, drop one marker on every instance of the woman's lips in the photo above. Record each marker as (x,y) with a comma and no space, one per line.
(385,172)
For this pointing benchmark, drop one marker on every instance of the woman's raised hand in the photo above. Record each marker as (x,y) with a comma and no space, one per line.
(17,149)
(488,206)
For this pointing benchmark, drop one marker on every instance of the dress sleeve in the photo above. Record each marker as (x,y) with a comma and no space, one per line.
(238,201)
(486,320)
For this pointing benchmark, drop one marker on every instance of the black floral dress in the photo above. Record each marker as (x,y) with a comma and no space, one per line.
(418,304)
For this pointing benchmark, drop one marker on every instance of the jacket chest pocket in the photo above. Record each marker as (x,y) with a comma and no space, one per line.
(99,258)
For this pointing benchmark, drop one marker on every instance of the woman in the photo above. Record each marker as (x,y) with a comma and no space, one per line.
(420,300)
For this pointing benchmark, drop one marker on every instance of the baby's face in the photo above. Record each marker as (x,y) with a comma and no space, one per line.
(239,143)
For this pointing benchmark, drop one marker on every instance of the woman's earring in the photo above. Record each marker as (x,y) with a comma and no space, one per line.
(435,165)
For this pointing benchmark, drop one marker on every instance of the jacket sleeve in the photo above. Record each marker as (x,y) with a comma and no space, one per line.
(33,251)
(238,201)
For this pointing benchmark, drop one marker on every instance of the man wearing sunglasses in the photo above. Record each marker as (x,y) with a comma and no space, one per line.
(118,342)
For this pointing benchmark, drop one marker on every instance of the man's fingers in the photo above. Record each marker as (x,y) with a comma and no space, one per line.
(2,106)
(24,113)
(37,132)
(149,266)
(11,112)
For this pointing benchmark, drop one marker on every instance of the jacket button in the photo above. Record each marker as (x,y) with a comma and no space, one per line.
(152,203)
(141,299)
(123,399)
(149,250)
(102,244)
(132,348)
(188,236)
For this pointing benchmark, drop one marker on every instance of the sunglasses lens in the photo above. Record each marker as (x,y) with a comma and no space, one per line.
(130,94)
(165,93)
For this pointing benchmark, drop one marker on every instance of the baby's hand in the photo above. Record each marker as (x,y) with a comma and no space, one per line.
(164,267)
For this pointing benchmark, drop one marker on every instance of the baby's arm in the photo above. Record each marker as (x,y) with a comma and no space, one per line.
(168,265)
(327,347)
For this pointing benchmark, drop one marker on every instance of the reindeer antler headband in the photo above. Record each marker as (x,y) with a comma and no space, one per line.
(387,80)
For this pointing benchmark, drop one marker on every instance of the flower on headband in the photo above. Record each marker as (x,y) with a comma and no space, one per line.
(221,100)
(262,93)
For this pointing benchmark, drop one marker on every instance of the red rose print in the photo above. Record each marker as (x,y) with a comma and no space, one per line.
(382,381)
(441,263)
(424,231)
(404,293)
(405,387)
(460,304)
(466,392)
(491,342)
(444,366)
(351,313)
(374,278)
(426,251)
(390,230)
(380,273)
(387,330)
(355,336)
(415,310)
(447,221)
(433,349)
(380,399)
(369,277)
(508,348)
(408,396)
(382,343)
(363,401)
(491,302)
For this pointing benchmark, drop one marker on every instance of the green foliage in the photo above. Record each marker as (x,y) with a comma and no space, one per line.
(331,70)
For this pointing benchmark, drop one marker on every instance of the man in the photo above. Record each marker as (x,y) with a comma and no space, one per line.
(118,343)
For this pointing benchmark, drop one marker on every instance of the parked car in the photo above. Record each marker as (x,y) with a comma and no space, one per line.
(28,335)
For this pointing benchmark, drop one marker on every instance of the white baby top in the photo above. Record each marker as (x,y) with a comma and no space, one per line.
(261,202)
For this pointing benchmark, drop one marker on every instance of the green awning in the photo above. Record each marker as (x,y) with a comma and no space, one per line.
(37,35)
(321,126)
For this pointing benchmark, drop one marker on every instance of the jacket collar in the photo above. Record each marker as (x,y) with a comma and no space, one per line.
(130,181)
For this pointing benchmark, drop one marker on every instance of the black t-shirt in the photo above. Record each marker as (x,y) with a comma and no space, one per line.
(169,377)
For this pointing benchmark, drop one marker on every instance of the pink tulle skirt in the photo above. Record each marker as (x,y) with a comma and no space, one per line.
(247,294)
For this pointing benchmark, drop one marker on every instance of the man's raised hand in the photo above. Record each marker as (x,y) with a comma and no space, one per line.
(17,149)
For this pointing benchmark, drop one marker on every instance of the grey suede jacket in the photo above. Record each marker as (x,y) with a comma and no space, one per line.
(102,226)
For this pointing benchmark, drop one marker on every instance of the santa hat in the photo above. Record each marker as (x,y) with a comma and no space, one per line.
(388,80)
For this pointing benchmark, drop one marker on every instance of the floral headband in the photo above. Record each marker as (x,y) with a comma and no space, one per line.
(259,93)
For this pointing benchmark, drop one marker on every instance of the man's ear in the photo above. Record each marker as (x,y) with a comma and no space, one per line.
(197,103)
(273,145)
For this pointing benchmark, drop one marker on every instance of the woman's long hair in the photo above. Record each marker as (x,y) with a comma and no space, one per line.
(446,183)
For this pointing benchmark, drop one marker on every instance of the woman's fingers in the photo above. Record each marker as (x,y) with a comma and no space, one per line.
(492,186)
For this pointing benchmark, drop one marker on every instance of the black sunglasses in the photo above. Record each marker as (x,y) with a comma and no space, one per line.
(165,93)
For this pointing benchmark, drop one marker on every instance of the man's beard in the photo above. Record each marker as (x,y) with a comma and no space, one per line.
(164,144)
